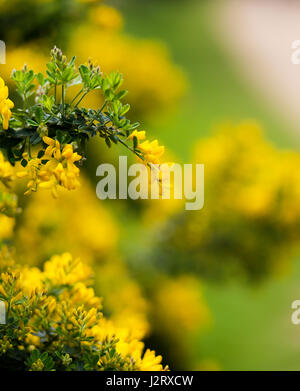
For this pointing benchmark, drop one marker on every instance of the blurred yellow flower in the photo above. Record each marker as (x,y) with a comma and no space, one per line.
(250,221)
(179,301)
(5,104)
(155,84)
(140,135)
(6,227)
(107,18)
(90,233)
(17,57)
(123,297)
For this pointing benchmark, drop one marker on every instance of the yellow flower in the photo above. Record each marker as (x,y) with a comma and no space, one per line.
(31,279)
(5,104)
(150,362)
(81,294)
(38,365)
(140,135)
(32,340)
(127,346)
(6,226)
(107,18)
(57,298)
(180,301)
(63,270)
(152,151)
(59,171)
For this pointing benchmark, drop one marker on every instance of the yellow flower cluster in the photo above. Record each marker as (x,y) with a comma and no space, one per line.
(152,151)
(63,270)
(59,171)
(261,177)
(127,347)
(56,299)
(5,104)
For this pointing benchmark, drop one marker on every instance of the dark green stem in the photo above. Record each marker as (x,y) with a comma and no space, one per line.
(76,96)
(81,98)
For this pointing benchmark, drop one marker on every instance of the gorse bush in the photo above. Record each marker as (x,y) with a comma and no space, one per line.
(54,320)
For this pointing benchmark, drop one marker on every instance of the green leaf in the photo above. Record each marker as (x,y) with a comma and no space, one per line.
(40,78)
(32,122)
(85,74)
(39,114)
(108,143)
(120,95)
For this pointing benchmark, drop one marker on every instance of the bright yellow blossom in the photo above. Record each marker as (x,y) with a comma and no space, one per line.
(5,104)
(59,171)
(152,151)
(140,135)
(64,269)
(54,314)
